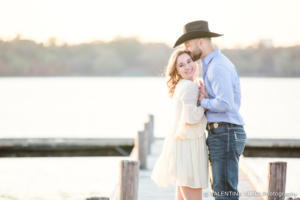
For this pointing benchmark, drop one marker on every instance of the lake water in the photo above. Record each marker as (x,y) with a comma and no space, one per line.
(117,107)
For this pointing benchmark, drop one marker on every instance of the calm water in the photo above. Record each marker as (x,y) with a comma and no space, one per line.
(117,107)
(57,178)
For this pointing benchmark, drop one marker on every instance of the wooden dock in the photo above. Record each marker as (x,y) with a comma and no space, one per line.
(140,155)
(54,147)
(65,147)
(148,190)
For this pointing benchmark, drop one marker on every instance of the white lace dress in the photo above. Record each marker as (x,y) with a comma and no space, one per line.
(184,158)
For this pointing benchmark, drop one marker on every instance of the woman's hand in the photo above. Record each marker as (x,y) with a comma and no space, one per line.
(201,96)
(206,93)
(202,90)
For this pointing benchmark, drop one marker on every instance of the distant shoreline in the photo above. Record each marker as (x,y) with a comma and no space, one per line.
(129,57)
(296,77)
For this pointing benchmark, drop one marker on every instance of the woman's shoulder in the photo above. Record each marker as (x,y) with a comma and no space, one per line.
(187,84)
(184,87)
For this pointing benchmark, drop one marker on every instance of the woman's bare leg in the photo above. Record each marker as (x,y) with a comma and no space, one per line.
(178,194)
(191,193)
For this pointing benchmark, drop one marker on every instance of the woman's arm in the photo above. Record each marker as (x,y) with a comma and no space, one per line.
(190,113)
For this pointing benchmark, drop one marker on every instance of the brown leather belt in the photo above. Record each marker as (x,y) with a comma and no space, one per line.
(215,125)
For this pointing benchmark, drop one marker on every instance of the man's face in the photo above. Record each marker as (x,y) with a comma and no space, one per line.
(193,47)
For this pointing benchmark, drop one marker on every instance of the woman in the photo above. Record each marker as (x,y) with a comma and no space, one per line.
(184,160)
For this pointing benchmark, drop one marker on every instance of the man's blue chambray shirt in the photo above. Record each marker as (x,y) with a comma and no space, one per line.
(222,82)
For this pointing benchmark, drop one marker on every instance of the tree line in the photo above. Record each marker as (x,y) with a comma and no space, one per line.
(130,57)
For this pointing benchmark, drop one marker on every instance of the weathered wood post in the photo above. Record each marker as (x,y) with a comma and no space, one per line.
(151,126)
(149,132)
(148,137)
(128,180)
(276,180)
(142,149)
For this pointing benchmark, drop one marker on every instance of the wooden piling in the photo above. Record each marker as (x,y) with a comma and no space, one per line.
(148,128)
(128,180)
(142,143)
(151,127)
(148,136)
(276,180)
(142,149)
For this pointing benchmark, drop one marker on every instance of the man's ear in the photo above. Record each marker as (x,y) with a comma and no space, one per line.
(199,42)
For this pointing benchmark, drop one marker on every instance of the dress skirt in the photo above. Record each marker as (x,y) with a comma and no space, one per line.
(184,158)
(183,162)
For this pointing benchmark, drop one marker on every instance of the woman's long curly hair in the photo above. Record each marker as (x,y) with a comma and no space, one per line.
(171,71)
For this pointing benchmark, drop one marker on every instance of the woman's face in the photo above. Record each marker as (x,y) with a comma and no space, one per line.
(186,68)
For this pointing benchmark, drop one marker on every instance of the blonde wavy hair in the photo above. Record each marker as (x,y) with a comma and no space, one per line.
(171,71)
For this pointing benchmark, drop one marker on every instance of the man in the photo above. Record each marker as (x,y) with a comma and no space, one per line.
(226,136)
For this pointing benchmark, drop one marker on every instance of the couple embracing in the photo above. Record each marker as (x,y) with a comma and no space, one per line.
(189,159)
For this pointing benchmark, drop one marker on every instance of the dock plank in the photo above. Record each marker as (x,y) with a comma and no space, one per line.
(149,190)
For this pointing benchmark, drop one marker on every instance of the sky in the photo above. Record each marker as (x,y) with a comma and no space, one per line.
(243,22)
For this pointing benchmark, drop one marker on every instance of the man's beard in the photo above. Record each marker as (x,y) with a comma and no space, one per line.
(197,55)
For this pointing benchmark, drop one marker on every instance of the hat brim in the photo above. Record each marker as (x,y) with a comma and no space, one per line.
(193,35)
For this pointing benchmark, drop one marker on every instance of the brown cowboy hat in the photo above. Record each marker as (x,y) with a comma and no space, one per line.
(193,30)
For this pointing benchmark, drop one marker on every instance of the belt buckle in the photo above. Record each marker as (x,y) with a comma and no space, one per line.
(216,125)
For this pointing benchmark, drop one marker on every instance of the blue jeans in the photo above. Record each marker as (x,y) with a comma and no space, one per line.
(225,145)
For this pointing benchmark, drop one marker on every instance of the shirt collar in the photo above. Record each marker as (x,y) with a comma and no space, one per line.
(210,56)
